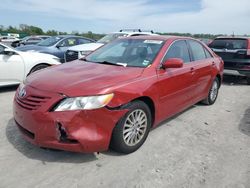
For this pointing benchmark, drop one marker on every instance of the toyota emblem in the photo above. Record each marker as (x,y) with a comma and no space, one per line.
(22,93)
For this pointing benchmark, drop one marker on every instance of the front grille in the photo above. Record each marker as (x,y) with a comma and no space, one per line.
(31,102)
(226,55)
(71,55)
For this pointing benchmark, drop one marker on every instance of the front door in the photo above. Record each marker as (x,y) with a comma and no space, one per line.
(175,85)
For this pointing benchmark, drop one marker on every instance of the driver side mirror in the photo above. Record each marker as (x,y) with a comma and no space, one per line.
(8,51)
(173,63)
(61,44)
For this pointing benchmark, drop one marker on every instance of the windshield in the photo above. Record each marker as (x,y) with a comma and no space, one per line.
(110,37)
(231,44)
(50,41)
(25,38)
(129,52)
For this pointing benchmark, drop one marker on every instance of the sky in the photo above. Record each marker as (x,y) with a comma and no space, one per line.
(104,16)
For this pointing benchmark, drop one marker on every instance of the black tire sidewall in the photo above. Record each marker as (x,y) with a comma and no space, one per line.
(117,142)
(210,101)
(38,67)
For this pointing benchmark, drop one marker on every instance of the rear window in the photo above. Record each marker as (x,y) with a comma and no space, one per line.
(229,44)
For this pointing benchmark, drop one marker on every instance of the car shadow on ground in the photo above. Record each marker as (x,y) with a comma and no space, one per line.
(45,155)
(8,88)
(234,80)
(244,125)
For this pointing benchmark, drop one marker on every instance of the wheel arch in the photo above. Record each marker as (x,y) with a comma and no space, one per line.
(38,64)
(148,101)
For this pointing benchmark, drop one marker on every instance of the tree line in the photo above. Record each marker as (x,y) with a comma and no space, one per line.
(34,30)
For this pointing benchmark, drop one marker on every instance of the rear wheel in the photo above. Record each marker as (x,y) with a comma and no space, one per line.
(132,129)
(213,93)
(38,67)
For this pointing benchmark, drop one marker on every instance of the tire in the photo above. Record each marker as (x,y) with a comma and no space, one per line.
(128,135)
(38,67)
(248,80)
(213,92)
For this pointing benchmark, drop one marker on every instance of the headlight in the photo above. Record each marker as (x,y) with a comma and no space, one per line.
(57,59)
(84,103)
(85,53)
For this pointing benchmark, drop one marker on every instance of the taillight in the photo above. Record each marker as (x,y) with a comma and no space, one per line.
(247,67)
(248,51)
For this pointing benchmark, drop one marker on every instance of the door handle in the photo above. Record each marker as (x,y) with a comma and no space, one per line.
(192,70)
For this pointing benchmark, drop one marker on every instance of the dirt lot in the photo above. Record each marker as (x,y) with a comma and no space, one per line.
(205,146)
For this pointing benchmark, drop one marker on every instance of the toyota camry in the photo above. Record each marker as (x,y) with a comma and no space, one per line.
(113,97)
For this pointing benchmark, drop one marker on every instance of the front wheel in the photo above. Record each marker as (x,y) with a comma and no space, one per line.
(132,129)
(213,93)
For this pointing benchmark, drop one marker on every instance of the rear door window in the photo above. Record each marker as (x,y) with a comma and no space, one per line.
(69,42)
(230,44)
(197,50)
(83,41)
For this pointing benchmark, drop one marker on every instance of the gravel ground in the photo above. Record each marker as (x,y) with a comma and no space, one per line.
(205,146)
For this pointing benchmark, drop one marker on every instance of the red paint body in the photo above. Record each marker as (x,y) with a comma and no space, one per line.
(171,91)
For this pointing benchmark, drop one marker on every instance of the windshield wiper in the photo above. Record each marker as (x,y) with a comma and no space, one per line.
(111,63)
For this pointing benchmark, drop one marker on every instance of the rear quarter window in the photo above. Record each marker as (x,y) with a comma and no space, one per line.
(208,54)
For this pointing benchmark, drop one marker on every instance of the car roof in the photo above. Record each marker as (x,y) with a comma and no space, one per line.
(67,36)
(133,32)
(233,37)
(159,37)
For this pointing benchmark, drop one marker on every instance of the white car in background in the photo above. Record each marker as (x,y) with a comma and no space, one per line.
(15,65)
(8,40)
(80,51)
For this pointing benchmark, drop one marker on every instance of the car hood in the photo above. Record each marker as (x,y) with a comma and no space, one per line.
(34,48)
(37,55)
(86,47)
(81,78)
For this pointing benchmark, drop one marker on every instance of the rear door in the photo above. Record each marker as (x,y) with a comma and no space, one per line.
(203,63)
(233,51)
(175,84)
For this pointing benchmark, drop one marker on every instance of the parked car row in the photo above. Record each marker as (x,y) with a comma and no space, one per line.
(235,51)
(80,51)
(116,94)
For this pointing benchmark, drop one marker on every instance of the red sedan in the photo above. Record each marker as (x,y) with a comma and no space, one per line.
(114,96)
